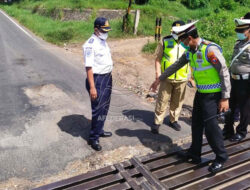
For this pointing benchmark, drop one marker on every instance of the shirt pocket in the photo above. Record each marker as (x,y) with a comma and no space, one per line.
(100,52)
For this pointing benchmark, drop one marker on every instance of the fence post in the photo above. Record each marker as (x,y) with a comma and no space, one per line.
(137,18)
(159,30)
(156,28)
(125,18)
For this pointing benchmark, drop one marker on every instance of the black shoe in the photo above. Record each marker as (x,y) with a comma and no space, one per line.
(105,134)
(155,129)
(215,167)
(237,138)
(186,156)
(95,145)
(227,136)
(175,126)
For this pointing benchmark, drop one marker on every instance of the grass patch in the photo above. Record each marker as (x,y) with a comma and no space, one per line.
(150,47)
(216,21)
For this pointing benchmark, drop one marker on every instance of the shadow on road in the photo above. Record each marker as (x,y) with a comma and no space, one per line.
(76,125)
(156,142)
(147,117)
(144,116)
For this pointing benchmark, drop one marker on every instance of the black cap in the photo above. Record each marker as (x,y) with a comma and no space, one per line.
(247,16)
(178,23)
(102,24)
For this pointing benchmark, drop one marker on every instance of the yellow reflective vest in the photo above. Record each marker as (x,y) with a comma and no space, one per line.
(172,51)
(206,77)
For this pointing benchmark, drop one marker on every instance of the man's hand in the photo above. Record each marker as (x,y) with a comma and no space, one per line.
(223,105)
(93,93)
(192,82)
(154,85)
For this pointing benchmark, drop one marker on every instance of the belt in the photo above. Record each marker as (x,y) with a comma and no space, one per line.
(102,74)
(240,77)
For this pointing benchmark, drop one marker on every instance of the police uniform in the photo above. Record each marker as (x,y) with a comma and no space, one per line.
(174,86)
(213,83)
(240,79)
(97,56)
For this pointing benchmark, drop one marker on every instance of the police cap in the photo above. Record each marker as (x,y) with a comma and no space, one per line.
(242,24)
(102,24)
(184,30)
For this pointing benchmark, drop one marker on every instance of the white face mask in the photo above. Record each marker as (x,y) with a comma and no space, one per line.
(103,36)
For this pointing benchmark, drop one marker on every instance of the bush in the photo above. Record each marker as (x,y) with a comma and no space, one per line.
(141,2)
(227,4)
(220,32)
(243,2)
(60,35)
(193,4)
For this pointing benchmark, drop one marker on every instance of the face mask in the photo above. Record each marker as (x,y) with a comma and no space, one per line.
(184,46)
(103,36)
(241,36)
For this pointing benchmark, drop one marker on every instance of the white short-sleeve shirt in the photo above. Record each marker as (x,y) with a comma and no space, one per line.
(97,55)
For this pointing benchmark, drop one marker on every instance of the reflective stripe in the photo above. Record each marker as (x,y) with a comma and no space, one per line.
(208,86)
(202,68)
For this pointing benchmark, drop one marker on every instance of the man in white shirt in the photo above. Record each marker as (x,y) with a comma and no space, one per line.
(99,65)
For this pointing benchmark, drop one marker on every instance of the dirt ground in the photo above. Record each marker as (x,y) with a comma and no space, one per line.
(133,69)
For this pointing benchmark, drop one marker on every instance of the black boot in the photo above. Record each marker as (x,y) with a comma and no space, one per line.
(155,129)
(176,126)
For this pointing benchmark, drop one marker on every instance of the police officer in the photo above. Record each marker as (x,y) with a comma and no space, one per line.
(99,65)
(174,86)
(213,90)
(240,79)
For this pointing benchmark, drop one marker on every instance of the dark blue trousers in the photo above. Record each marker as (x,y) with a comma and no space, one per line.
(205,106)
(100,106)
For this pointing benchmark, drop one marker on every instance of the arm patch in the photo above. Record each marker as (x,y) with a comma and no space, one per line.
(212,58)
(91,41)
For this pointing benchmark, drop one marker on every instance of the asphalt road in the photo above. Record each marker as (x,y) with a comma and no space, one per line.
(45,109)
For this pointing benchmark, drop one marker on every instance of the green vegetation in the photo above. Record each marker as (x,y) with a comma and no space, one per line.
(149,47)
(216,18)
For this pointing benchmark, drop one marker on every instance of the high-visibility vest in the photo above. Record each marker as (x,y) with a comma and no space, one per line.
(205,75)
(172,51)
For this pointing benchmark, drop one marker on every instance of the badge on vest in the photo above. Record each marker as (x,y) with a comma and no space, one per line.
(170,44)
(199,57)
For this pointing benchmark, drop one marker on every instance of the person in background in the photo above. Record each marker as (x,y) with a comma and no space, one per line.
(240,79)
(174,86)
(99,65)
